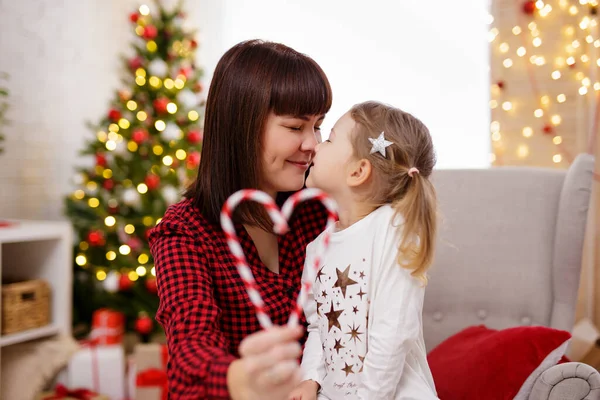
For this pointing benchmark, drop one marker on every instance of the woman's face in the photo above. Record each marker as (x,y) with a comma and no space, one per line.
(288,148)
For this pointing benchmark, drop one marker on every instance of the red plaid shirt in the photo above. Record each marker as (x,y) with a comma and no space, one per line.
(204,308)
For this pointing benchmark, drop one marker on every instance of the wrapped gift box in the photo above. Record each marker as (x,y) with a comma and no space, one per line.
(130,373)
(97,367)
(107,326)
(150,370)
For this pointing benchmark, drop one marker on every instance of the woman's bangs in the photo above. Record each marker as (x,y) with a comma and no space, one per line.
(300,88)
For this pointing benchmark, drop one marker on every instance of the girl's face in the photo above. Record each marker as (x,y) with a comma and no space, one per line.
(288,148)
(332,158)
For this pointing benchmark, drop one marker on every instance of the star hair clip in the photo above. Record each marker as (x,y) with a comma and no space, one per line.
(379,145)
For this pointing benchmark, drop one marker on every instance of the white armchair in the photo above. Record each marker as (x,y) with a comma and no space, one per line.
(509,254)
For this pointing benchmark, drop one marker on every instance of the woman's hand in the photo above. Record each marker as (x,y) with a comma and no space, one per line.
(307,390)
(268,367)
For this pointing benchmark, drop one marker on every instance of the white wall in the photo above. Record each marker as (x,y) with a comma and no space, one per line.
(63,62)
(427,57)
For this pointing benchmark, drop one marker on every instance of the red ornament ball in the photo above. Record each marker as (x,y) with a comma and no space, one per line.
(96,238)
(139,136)
(152,181)
(194,137)
(143,325)
(185,71)
(133,17)
(193,160)
(136,62)
(108,184)
(150,32)
(114,115)
(548,129)
(160,105)
(100,160)
(193,43)
(125,283)
(500,84)
(529,7)
(151,285)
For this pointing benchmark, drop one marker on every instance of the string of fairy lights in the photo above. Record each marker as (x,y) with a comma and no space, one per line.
(552,44)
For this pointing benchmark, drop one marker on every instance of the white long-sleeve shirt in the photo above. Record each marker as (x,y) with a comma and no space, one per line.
(365,334)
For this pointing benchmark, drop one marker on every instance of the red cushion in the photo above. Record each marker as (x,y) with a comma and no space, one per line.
(483,363)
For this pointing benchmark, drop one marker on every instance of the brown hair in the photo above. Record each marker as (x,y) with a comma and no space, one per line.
(412,197)
(252,79)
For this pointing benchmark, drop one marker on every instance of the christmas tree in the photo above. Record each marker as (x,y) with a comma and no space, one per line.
(145,150)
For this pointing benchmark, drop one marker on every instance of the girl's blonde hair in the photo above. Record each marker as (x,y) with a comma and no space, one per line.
(412,197)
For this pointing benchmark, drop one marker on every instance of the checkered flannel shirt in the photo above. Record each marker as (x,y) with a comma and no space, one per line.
(204,308)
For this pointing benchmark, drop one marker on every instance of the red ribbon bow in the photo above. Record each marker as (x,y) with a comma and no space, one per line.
(155,377)
(62,392)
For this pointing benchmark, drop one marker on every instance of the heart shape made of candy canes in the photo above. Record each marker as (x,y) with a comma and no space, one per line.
(280,220)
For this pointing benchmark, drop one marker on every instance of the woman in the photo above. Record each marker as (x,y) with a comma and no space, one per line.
(264,108)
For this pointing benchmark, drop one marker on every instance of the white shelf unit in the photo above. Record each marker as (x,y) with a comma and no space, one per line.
(39,250)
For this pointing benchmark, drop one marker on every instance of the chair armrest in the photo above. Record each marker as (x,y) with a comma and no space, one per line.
(572,380)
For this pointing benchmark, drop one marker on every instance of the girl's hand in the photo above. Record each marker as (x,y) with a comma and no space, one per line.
(307,390)
(268,367)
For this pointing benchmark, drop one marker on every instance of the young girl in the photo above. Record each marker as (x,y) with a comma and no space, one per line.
(365,329)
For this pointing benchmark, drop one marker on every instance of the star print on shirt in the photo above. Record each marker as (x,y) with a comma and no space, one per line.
(338,345)
(320,273)
(343,281)
(354,333)
(354,309)
(362,360)
(348,369)
(361,293)
(332,317)
(319,308)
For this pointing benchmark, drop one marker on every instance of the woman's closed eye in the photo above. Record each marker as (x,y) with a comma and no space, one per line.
(299,128)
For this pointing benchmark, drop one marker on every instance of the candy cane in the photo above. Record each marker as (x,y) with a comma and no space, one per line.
(288,209)
(280,227)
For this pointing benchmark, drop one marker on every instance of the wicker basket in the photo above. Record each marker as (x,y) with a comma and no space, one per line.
(25,305)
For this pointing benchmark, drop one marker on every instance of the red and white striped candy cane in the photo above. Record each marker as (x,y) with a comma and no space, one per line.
(288,209)
(280,227)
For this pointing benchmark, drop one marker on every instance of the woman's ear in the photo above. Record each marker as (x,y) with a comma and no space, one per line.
(358,172)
